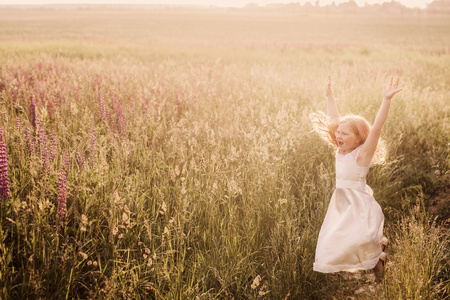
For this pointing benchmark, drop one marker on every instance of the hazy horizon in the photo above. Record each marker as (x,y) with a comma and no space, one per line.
(229,3)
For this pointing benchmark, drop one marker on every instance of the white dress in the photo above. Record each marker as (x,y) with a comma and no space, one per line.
(352,230)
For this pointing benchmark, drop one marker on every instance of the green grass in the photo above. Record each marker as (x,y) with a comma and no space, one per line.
(218,178)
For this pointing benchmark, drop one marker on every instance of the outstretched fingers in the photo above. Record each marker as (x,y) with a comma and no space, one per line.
(399,90)
(391,89)
(396,86)
(328,82)
(328,90)
(396,82)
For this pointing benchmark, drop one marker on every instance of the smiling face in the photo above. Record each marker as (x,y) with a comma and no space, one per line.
(346,138)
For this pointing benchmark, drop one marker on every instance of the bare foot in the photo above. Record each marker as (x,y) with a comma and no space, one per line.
(378,270)
(384,244)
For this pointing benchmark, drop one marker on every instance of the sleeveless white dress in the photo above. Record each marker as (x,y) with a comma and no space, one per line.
(351,233)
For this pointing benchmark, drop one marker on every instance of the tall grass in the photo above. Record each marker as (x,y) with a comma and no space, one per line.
(420,263)
(194,173)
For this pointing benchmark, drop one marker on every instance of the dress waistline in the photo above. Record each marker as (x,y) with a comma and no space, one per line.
(351,184)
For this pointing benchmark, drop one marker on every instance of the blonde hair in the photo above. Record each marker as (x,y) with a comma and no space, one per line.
(326,128)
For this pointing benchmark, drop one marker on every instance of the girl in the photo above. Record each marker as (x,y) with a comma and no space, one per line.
(351,236)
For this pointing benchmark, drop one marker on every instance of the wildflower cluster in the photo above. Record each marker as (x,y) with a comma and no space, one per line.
(173,165)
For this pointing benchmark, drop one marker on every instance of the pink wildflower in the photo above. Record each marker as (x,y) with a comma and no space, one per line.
(93,142)
(62,195)
(19,124)
(81,162)
(101,104)
(34,115)
(53,147)
(31,148)
(43,143)
(120,120)
(4,178)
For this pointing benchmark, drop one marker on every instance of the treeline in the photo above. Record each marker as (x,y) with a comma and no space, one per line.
(436,7)
(393,7)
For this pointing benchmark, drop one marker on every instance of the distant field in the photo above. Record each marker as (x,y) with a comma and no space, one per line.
(179,143)
(223,28)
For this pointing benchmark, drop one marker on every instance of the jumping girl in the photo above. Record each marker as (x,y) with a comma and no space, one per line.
(351,236)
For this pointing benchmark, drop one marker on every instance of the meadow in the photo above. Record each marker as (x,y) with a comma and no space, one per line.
(168,153)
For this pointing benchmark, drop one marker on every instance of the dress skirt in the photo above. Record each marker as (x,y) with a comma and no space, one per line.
(351,232)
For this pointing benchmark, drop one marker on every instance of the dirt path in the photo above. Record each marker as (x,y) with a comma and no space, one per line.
(359,285)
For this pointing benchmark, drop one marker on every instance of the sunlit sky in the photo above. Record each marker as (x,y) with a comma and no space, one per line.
(229,3)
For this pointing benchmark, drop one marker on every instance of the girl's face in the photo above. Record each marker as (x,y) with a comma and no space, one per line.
(346,139)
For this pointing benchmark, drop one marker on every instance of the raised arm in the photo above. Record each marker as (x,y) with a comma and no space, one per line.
(331,104)
(370,145)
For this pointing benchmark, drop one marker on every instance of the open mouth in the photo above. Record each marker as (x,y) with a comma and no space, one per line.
(340,143)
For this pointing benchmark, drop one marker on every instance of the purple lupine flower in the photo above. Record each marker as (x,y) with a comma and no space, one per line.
(178,103)
(43,88)
(67,161)
(101,103)
(4,178)
(120,120)
(37,123)
(26,77)
(43,144)
(144,104)
(19,88)
(133,105)
(51,107)
(93,142)
(53,151)
(33,111)
(81,162)
(14,92)
(19,124)
(97,81)
(112,126)
(156,115)
(31,148)
(62,195)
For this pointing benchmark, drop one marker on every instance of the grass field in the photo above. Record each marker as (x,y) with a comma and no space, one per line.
(168,154)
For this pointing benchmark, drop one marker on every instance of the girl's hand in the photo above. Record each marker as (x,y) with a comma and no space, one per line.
(331,105)
(392,89)
(328,90)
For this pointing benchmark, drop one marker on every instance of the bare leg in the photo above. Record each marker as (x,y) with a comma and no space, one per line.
(378,270)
